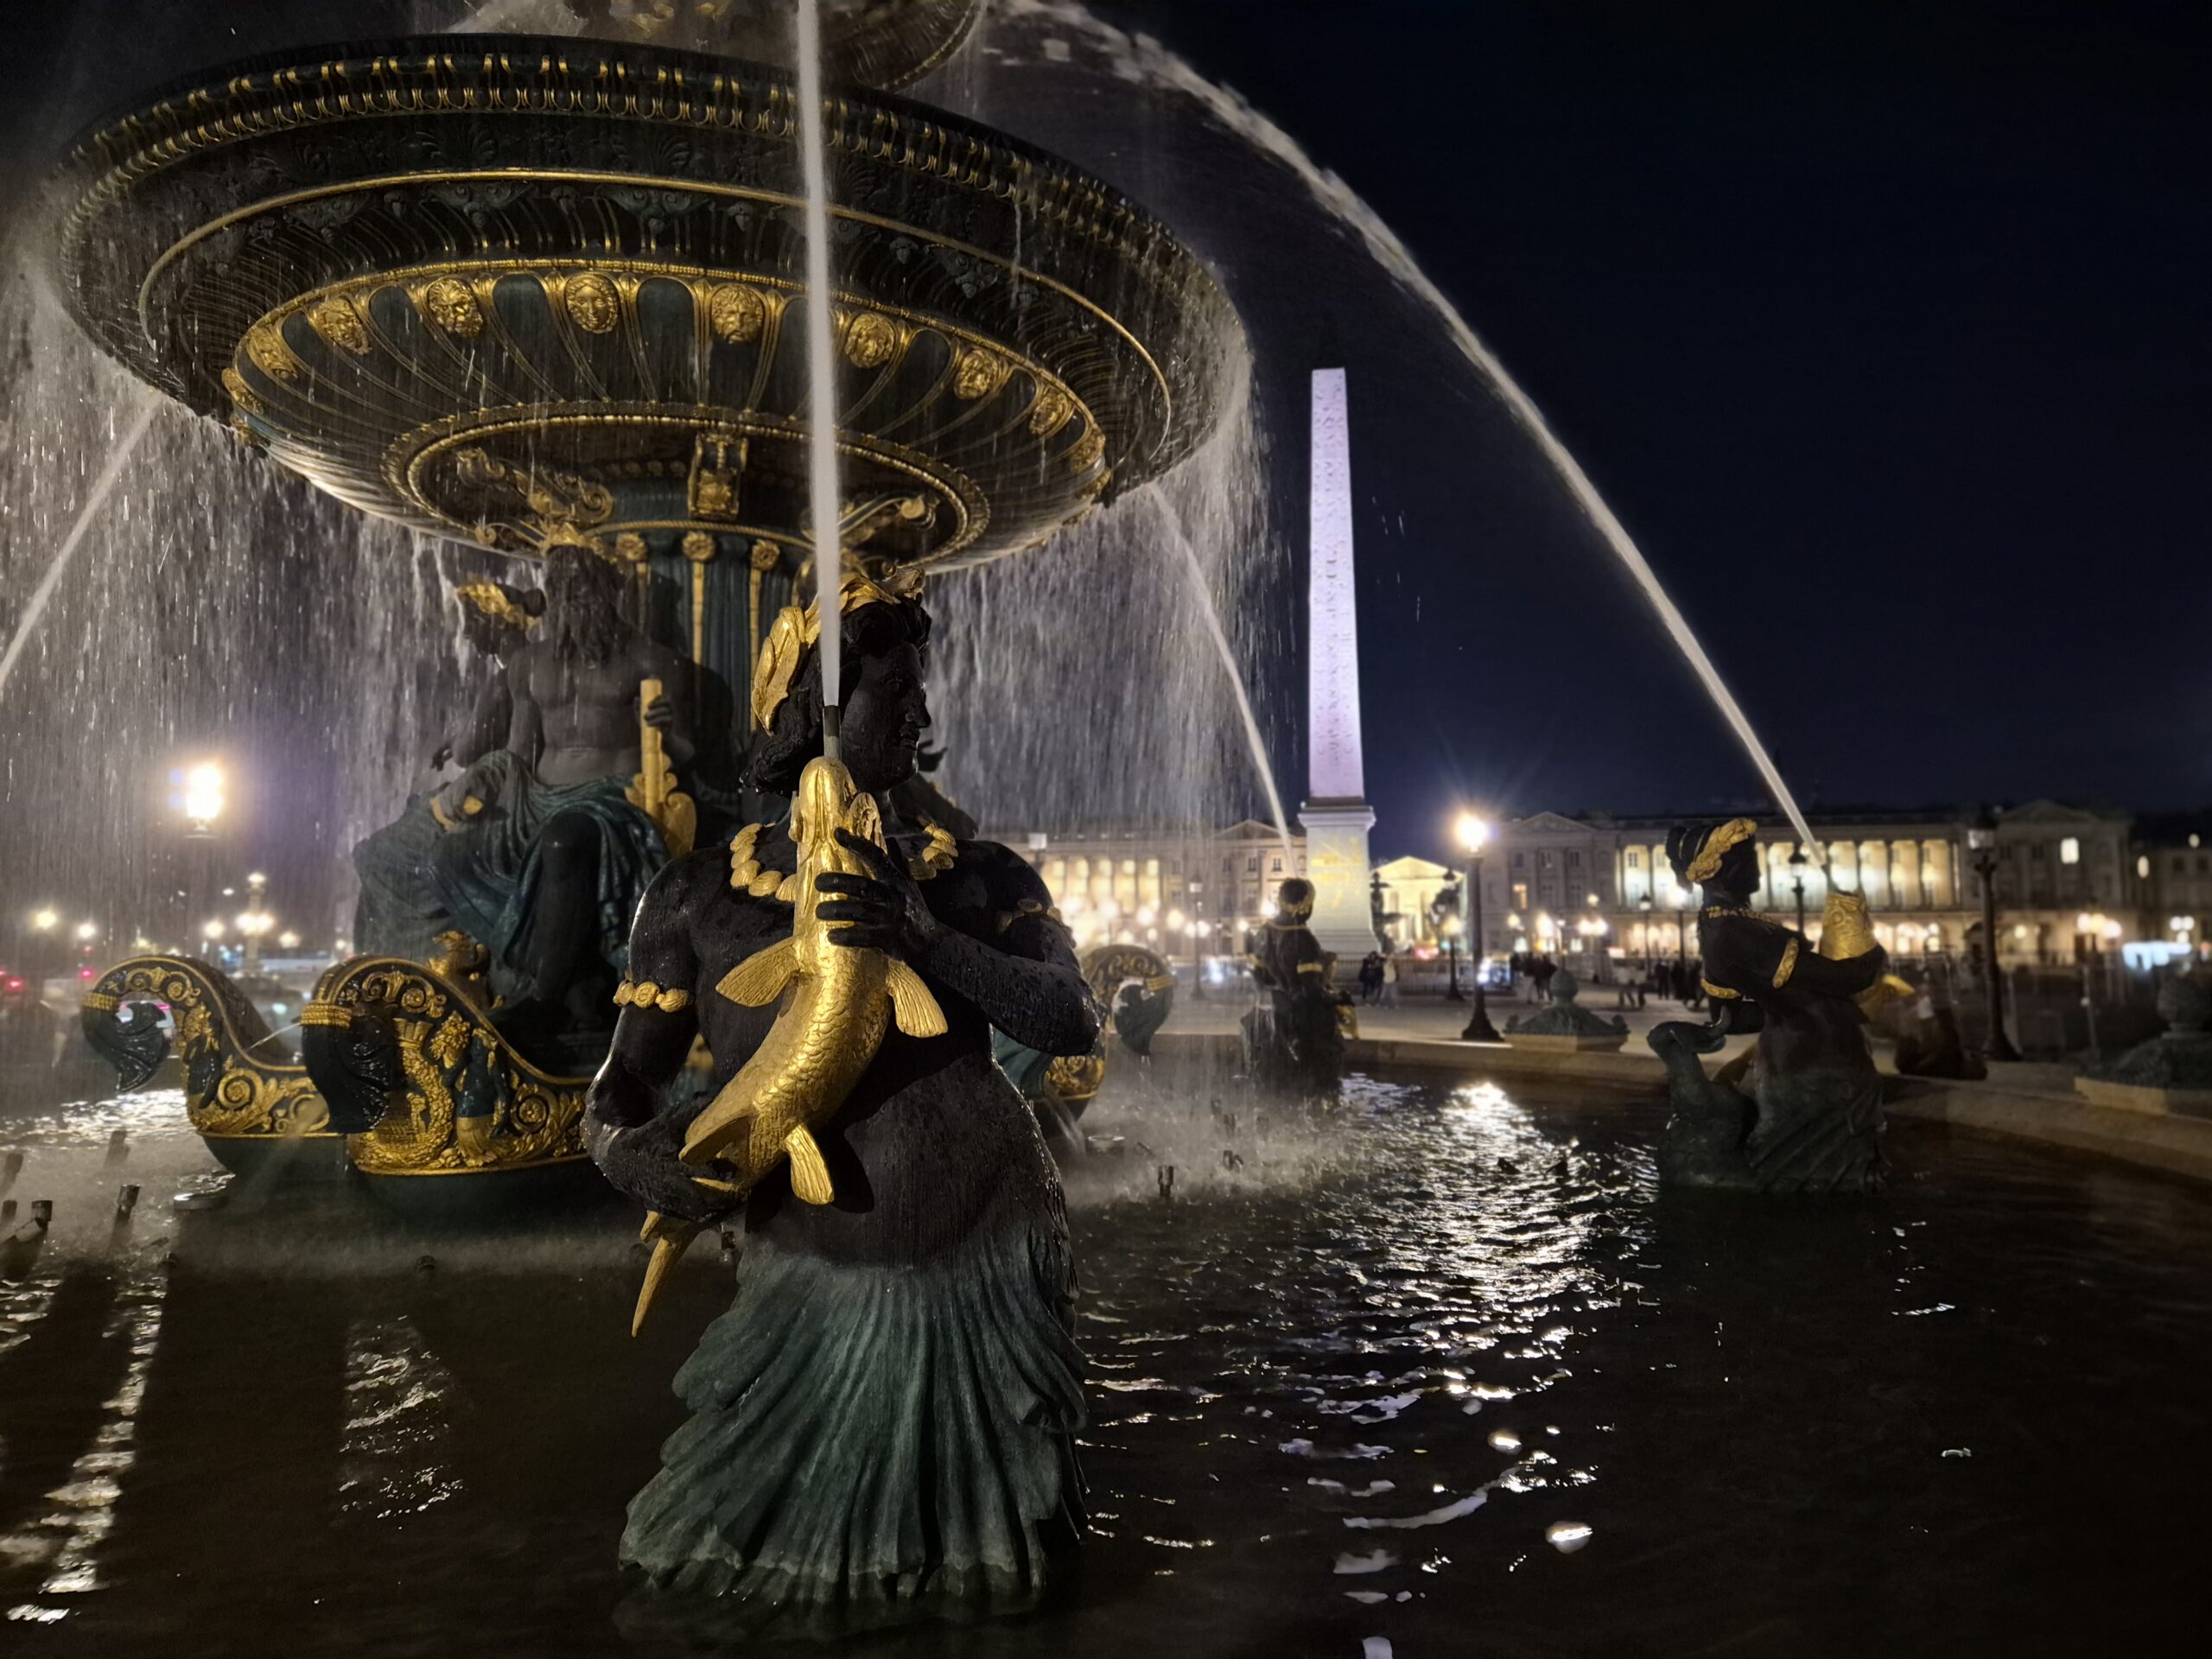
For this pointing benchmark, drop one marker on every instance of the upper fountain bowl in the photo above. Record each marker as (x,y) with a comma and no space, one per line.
(528,291)
(867,42)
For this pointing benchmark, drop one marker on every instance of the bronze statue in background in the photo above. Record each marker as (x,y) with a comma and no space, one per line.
(1296,1039)
(1806,1116)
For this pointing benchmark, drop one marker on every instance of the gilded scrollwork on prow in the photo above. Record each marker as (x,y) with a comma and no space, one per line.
(430,1085)
(239,1082)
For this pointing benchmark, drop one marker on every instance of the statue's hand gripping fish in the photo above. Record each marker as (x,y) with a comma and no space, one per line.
(843,1001)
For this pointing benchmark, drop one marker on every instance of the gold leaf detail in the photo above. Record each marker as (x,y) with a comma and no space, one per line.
(241,394)
(448,304)
(593,303)
(340,325)
(736,313)
(266,350)
(870,340)
(1051,411)
(1084,453)
(978,374)
(630,547)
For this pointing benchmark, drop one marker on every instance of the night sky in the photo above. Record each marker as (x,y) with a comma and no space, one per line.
(1883,328)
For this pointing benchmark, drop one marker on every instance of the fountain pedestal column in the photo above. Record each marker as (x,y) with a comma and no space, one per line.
(1336,816)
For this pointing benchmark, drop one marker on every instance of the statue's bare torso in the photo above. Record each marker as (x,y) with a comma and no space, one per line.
(575,720)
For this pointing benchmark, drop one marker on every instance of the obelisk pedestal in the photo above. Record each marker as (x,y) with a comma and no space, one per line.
(1335,815)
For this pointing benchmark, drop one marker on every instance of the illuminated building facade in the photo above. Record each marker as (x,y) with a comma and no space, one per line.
(1183,895)
(2067,886)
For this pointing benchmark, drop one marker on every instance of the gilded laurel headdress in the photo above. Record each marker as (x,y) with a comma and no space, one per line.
(797,631)
(1716,846)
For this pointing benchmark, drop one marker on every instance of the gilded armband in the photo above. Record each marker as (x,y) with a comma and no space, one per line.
(647,994)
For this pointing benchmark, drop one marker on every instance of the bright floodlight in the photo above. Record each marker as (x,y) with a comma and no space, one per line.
(1473,832)
(88,931)
(290,941)
(203,793)
(46,920)
(214,931)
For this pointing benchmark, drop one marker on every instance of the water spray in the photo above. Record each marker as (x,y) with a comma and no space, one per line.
(822,369)
(1144,61)
(42,595)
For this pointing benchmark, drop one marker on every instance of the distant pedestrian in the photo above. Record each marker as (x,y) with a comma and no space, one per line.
(1390,980)
(1539,975)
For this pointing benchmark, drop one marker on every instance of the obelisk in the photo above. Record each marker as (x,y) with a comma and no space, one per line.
(1336,816)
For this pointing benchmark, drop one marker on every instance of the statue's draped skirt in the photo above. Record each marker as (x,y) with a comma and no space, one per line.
(871,1441)
(399,912)
(488,870)
(1818,1129)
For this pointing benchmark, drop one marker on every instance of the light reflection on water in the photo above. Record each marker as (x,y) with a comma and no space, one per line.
(1432,1364)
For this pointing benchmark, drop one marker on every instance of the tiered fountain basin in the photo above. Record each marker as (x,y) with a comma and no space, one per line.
(535,293)
(523,291)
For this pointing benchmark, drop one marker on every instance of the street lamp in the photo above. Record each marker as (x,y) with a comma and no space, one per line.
(201,801)
(1981,839)
(1473,833)
(1797,862)
(289,940)
(87,931)
(1451,932)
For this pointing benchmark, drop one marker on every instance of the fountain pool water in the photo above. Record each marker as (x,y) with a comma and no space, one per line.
(1441,1370)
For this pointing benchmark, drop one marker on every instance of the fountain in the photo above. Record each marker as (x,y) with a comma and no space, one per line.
(545,296)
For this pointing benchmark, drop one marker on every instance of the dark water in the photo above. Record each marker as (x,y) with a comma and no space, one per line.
(1345,1393)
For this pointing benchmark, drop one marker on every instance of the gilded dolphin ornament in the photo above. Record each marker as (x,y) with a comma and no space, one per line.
(843,1002)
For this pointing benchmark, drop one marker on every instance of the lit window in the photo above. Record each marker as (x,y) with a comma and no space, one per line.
(2069,851)
(2143,866)
(1635,859)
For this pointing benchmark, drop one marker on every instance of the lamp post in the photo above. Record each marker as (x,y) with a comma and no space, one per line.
(197,796)
(1982,840)
(1451,932)
(257,919)
(1797,862)
(1201,932)
(1473,833)
(44,920)
(1649,955)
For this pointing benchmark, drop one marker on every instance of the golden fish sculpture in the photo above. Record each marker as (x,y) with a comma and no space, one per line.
(1848,930)
(843,1002)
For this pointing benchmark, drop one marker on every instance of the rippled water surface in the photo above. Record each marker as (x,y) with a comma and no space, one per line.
(1440,1373)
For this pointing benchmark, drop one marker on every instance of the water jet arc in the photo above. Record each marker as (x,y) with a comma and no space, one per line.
(1172,521)
(103,487)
